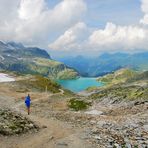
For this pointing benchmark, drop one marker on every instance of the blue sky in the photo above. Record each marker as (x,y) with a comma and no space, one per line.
(121,12)
(83,27)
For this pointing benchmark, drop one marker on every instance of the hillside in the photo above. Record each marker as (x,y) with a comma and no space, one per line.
(32,60)
(115,116)
(106,63)
(37,83)
(139,77)
(119,76)
(123,85)
(120,93)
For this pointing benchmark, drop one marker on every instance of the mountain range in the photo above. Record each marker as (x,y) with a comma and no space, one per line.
(107,63)
(32,60)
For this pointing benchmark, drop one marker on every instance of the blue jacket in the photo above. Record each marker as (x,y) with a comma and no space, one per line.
(27,101)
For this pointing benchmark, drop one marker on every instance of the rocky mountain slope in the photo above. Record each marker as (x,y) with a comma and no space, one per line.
(32,60)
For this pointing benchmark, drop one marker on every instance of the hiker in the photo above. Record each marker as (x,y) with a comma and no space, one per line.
(28,102)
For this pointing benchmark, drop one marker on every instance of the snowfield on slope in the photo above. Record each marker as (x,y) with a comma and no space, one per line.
(6,78)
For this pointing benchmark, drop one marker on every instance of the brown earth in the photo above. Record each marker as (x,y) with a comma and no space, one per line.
(119,125)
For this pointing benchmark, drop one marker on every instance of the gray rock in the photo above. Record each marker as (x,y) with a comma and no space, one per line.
(97,137)
(31,125)
(92,122)
(128,145)
(145,127)
(117,145)
(13,123)
(94,130)
(51,137)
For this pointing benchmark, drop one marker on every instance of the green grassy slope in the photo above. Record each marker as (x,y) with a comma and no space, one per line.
(37,83)
(117,77)
(32,60)
(123,85)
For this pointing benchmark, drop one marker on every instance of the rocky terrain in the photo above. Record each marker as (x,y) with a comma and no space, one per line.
(115,116)
(13,123)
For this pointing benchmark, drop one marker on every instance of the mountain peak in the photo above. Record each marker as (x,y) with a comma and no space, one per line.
(16,45)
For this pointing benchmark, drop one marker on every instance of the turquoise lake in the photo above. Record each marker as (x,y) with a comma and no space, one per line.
(80,84)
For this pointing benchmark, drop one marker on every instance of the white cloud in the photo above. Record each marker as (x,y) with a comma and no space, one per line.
(111,38)
(31,21)
(115,37)
(144,8)
(72,39)
(122,38)
(8,10)
(31,9)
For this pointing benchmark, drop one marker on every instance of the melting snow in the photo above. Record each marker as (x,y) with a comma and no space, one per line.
(6,78)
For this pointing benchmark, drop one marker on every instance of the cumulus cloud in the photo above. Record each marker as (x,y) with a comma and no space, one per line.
(31,21)
(72,39)
(31,9)
(144,8)
(113,37)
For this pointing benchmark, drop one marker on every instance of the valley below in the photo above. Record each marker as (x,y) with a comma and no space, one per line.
(114,115)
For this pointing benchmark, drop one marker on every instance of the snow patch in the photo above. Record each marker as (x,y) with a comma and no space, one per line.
(6,78)
(94,112)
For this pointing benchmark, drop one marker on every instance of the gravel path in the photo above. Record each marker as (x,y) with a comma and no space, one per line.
(53,133)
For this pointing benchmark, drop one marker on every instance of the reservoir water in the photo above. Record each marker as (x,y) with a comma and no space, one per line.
(77,85)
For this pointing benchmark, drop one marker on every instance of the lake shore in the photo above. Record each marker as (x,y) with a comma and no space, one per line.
(80,84)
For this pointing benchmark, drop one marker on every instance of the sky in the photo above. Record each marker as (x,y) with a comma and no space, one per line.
(74,27)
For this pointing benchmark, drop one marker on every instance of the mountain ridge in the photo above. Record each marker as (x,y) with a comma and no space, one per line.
(32,60)
(107,63)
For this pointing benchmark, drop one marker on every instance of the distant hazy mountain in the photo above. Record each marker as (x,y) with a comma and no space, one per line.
(32,60)
(107,63)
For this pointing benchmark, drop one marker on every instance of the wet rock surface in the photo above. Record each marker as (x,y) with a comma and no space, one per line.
(12,123)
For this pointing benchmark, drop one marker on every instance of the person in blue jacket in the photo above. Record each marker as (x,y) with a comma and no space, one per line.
(28,102)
